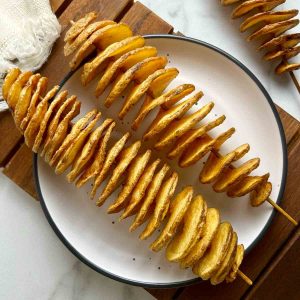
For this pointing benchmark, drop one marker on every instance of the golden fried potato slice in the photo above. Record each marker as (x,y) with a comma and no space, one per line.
(184,240)
(159,84)
(174,95)
(79,26)
(178,208)
(94,168)
(268,17)
(134,173)
(197,149)
(246,185)
(58,100)
(214,256)
(35,99)
(150,197)
(178,93)
(156,63)
(286,53)
(55,132)
(75,148)
(210,227)
(117,34)
(236,264)
(25,98)
(180,127)
(140,190)
(91,69)
(214,165)
(147,66)
(126,157)
(284,41)
(75,131)
(137,55)
(165,117)
(101,38)
(234,175)
(162,203)
(34,123)
(276,29)
(10,78)
(241,151)
(125,62)
(16,88)
(88,151)
(109,161)
(71,46)
(227,263)
(247,6)
(139,90)
(261,194)
(222,138)
(188,88)
(285,67)
(190,136)
(201,146)
(22,104)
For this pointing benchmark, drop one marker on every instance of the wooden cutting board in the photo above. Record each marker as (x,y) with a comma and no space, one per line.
(273,264)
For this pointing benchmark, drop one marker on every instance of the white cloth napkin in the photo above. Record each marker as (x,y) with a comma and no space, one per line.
(28,29)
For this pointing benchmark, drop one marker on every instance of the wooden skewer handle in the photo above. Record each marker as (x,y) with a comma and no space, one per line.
(283,212)
(295,80)
(244,277)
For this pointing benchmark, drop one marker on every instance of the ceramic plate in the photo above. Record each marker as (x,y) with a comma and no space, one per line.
(105,244)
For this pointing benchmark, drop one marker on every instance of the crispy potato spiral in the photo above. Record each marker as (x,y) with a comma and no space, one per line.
(270,26)
(81,148)
(110,53)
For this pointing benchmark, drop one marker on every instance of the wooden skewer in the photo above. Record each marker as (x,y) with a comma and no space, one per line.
(295,81)
(72,22)
(283,212)
(274,204)
(244,277)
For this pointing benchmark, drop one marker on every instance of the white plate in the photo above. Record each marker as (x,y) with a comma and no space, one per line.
(99,240)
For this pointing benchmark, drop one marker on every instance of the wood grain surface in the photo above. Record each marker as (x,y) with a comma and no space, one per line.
(282,277)
(10,137)
(276,254)
(16,164)
(143,21)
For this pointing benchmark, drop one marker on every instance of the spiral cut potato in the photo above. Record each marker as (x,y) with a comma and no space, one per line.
(81,148)
(192,234)
(111,51)
(270,27)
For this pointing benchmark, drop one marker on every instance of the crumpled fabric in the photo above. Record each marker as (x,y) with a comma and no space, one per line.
(28,30)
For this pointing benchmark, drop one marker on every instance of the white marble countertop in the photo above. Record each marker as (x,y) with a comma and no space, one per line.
(34,264)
